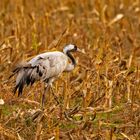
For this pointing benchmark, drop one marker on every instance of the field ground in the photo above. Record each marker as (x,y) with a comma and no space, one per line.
(100,99)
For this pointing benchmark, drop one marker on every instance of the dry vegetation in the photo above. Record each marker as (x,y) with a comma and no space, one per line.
(100,99)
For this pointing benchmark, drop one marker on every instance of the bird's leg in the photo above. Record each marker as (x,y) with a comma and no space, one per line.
(47,85)
(50,83)
(43,96)
(55,97)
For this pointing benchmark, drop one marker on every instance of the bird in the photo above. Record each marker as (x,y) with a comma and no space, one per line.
(45,67)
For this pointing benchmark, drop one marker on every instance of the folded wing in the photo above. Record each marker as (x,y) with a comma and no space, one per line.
(39,68)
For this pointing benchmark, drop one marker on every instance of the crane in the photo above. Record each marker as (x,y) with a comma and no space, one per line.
(45,67)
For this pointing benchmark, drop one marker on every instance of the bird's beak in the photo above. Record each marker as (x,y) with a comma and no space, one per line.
(81,51)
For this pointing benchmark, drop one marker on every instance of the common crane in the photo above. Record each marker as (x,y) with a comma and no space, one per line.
(45,67)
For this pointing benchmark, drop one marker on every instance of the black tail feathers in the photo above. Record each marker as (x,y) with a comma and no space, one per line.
(21,81)
(26,75)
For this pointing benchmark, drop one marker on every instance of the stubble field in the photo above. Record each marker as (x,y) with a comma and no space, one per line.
(100,99)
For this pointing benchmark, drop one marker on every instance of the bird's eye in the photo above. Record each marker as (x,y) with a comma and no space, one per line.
(75,47)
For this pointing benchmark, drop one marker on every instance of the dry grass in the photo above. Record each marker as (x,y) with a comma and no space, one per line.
(100,99)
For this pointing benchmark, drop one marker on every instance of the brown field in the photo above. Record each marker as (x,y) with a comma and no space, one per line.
(100,99)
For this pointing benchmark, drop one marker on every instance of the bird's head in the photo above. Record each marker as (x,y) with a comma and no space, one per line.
(71,48)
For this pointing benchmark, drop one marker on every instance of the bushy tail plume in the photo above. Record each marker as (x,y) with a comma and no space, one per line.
(26,75)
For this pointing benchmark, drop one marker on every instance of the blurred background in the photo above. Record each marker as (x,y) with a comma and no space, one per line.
(101,97)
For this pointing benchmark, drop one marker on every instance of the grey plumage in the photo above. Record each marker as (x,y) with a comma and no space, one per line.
(45,67)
